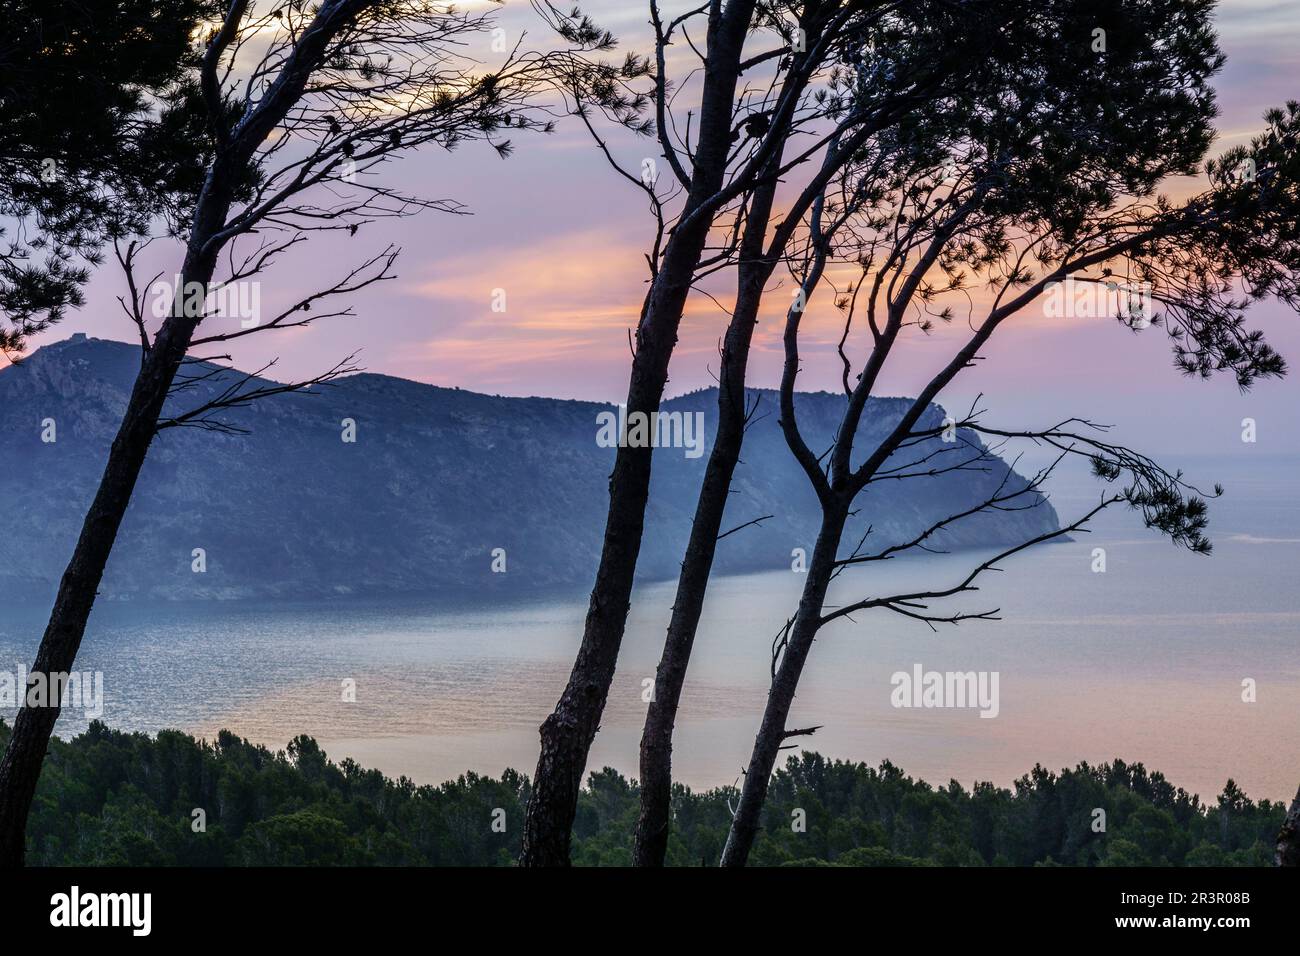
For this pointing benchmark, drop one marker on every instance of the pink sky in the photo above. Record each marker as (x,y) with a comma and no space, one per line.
(564,237)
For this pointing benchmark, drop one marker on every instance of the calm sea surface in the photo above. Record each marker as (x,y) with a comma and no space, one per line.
(1145,662)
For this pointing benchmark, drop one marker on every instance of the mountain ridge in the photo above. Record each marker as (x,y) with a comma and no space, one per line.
(436,480)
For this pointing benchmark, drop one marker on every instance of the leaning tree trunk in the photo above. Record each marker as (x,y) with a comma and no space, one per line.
(21,766)
(1288,839)
(656,739)
(567,734)
(657,736)
(772,732)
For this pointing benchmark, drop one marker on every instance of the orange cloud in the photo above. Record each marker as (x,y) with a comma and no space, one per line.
(577,282)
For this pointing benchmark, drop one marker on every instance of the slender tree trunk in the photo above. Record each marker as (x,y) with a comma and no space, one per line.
(21,766)
(1288,839)
(772,732)
(653,824)
(756,268)
(657,737)
(567,734)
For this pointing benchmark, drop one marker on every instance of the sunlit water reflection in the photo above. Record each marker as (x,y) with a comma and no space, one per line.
(1144,662)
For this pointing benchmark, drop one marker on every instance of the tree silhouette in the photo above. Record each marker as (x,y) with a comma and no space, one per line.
(972,60)
(1288,838)
(775,105)
(997,209)
(91,96)
(301,106)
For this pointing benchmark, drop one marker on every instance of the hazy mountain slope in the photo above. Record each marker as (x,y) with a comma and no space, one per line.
(436,479)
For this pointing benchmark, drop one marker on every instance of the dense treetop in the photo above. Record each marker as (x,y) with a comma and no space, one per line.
(112,798)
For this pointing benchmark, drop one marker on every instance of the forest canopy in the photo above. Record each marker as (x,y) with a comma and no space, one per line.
(113,798)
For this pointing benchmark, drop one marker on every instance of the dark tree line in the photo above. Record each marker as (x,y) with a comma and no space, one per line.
(109,798)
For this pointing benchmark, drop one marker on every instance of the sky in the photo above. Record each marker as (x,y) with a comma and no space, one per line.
(565,237)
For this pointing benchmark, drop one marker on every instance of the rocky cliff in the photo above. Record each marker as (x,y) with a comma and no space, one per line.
(435,480)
